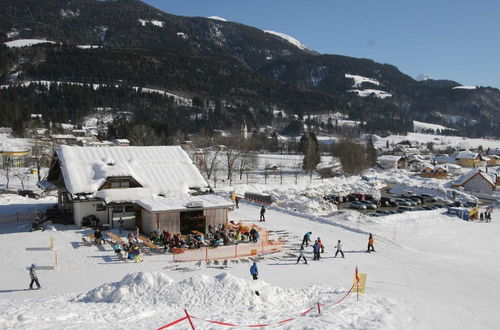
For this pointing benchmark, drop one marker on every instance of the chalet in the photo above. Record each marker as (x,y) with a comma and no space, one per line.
(414,162)
(477,181)
(390,161)
(154,188)
(492,160)
(434,171)
(469,159)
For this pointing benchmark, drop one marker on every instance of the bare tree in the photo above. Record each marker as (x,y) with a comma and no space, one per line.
(7,175)
(22,176)
(247,161)
(232,153)
(208,161)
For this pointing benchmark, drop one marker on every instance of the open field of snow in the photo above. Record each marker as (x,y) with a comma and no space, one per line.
(27,42)
(440,141)
(419,126)
(430,271)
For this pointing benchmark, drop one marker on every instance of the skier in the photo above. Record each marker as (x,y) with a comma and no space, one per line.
(322,247)
(236,201)
(306,239)
(371,242)
(120,222)
(254,271)
(316,249)
(118,250)
(98,237)
(339,249)
(262,211)
(34,278)
(301,254)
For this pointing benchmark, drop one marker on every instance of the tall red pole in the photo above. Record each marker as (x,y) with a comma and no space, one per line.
(189,319)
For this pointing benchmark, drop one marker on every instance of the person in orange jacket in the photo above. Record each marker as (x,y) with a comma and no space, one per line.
(371,242)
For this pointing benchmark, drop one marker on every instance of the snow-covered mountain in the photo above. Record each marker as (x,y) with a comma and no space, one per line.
(290,39)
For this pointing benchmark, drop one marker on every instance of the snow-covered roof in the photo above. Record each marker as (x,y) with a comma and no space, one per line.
(445,159)
(165,170)
(476,171)
(389,158)
(467,155)
(162,204)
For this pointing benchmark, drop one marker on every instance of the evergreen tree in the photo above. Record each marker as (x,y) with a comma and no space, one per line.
(371,153)
(310,147)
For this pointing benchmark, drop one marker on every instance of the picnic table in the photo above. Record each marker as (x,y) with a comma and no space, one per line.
(116,238)
(148,243)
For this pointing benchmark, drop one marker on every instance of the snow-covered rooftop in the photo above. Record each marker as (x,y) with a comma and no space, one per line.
(165,170)
(467,176)
(161,204)
(467,155)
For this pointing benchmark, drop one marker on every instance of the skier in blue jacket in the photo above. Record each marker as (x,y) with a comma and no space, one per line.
(254,271)
(316,249)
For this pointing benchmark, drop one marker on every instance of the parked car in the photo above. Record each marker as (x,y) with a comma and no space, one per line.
(411,201)
(352,198)
(369,205)
(416,200)
(28,193)
(405,208)
(380,213)
(408,194)
(402,202)
(336,199)
(428,198)
(386,201)
(357,205)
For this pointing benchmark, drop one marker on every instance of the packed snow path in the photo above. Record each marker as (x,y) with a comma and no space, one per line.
(430,271)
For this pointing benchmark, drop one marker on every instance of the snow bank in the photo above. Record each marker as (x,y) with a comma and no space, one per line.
(228,290)
(358,80)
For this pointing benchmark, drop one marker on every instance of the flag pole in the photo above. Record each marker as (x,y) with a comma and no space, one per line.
(357,284)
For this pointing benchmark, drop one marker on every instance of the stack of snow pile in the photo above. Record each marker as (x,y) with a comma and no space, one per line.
(150,288)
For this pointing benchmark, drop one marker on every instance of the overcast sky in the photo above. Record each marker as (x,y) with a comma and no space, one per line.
(446,39)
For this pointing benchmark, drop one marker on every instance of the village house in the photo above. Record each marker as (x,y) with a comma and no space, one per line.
(445,158)
(434,171)
(154,188)
(469,159)
(391,161)
(492,160)
(477,181)
(13,156)
(121,142)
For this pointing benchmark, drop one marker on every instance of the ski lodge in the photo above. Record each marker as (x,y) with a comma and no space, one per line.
(153,188)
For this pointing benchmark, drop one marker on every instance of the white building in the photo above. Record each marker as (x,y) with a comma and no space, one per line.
(477,181)
(391,161)
(154,188)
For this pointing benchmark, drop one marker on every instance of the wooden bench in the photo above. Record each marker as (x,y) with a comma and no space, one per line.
(149,244)
(116,238)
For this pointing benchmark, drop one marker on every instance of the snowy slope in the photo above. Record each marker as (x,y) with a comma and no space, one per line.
(430,271)
(419,126)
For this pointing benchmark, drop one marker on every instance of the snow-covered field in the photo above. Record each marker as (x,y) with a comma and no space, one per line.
(430,271)
(440,141)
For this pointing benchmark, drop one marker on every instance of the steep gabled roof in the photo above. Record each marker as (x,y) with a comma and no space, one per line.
(468,176)
(165,170)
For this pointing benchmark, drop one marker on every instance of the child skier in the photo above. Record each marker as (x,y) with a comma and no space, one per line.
(306,239)
(254,271)
(339,249)
(322,247)
(301,254)
(34,278)
(371,242)
(316,249)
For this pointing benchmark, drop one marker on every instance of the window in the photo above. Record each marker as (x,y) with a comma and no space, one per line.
(100,207)
(120,184)
(129,208)
(117,209)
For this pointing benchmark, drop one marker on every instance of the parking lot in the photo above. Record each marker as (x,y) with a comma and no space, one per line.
(392,204)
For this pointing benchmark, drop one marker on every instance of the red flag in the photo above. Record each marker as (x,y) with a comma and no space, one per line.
(357,275)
